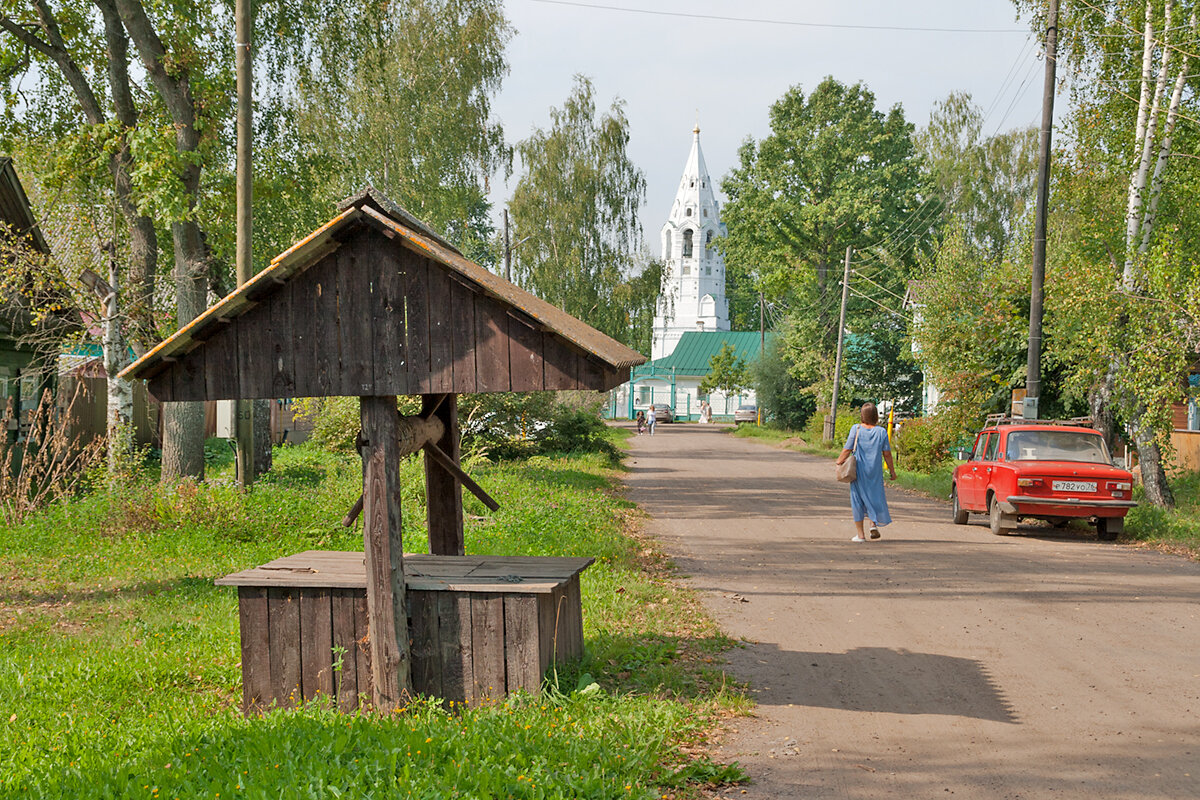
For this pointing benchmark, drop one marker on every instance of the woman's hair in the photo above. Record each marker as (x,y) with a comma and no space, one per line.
(870,414)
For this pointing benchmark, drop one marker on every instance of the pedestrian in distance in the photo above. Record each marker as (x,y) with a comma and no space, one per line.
(650,419)
(641,422)
(869,444)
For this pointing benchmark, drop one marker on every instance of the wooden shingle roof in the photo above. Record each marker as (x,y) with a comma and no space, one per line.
(374,303)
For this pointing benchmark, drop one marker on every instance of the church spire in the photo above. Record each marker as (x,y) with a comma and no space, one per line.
(693,288)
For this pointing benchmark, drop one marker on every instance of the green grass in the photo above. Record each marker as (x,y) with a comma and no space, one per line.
(120,659)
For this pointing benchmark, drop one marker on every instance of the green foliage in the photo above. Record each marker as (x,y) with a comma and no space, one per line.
(834,172)
(727,373)
(814,430)
(923,445)
(985,184)
(576,207)
(782,397)
(120,657)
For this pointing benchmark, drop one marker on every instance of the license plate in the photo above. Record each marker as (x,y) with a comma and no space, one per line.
(1074,486)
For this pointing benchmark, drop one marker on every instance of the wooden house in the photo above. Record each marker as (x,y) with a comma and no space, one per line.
(373,304)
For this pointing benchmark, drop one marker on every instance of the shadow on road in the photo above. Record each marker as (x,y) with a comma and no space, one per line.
(877,679)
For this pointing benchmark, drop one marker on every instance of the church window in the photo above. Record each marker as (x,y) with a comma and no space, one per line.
(687,270)
(688,213)
(687,242)
(667,246)
(706,213)
(708,270)
(708,238)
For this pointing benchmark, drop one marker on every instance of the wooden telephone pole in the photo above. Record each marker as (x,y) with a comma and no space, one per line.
(245,176)
(831,421)
(1033,369)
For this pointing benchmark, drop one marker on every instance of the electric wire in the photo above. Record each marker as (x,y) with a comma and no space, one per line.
(765,21)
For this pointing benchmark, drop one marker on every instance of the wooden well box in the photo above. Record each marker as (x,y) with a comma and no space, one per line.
(480,626)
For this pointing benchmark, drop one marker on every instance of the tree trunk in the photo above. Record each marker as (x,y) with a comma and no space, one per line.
(1154,477)
(183,423)
(262,436)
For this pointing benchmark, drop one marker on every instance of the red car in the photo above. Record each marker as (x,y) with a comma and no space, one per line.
(1055,471)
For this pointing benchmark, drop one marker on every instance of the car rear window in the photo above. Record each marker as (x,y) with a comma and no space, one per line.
(1056,446)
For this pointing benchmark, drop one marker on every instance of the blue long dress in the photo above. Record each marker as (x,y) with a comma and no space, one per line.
(866,491)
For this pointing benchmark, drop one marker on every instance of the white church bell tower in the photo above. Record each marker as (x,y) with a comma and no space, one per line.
(693,283)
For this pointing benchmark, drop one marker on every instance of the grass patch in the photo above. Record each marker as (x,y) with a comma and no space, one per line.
(120,659)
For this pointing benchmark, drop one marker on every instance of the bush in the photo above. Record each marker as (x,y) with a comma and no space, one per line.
(922,444)
(814,430)
(780,394)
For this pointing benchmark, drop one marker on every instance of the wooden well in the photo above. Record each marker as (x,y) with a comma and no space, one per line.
(479,626)
(375,305)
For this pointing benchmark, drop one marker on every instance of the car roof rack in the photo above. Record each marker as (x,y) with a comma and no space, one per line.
(1006,419)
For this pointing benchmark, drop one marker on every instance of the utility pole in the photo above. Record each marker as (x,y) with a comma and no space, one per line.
(831,420)
(507,251)
(1033,373)
(762,343)
(245,130)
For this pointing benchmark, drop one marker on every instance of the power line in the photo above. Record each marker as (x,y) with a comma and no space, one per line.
(764,21)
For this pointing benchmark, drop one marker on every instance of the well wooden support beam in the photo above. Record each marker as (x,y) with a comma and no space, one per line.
(443,490)
(384,549)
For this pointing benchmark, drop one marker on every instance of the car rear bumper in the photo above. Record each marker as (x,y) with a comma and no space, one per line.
(1024,505)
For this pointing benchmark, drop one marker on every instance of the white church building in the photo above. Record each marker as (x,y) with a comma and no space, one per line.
(691,323)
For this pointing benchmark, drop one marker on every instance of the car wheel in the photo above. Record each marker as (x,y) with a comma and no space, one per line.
(996,517)
(960,516)
(1108,530)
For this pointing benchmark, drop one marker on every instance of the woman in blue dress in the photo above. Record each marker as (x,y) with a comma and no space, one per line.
(871,449)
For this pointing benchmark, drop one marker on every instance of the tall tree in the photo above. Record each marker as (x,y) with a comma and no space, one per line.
(985,183)
(399,95)
(834,172)
(577,203)
(1125,211)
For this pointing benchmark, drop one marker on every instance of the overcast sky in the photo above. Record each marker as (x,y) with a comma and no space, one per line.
(675,67)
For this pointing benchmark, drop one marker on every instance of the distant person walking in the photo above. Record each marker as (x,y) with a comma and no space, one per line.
(871,449)
(650,420)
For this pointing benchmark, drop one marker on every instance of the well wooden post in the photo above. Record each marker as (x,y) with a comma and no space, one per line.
(384,548)
(443,491)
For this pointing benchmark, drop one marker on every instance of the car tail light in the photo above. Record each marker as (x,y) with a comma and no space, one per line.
(1029,481)
(1120,485)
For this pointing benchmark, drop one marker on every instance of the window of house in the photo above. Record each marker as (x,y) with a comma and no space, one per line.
(687,242)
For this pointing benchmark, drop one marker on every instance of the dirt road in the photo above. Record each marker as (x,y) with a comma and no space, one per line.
(938,661)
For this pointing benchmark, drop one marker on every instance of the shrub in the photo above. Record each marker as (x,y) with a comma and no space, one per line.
(814,430)
(922,444)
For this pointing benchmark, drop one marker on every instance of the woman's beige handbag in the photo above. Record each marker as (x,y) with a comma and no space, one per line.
(847,471)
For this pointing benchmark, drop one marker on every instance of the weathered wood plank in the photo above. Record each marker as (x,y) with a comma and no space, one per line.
(574,614)
(354,324)
(545,610)
(221,363)
(462,332)
(316,643)
(388,319)
(491,343)
(417,339)
(255,351)
(363,655)
(426,648)
(390,677)
(441,340)
(256,648)
(186,376)
(487,646)
(284,344)
(454,633)
(525,356)
(443,492)
(326,336)
(301,293)
(283,611)
(521,654)
(591,373)
(561,363)
(345,640)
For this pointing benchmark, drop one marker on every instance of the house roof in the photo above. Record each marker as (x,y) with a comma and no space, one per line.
(14,207)
(370,209)
(693,354)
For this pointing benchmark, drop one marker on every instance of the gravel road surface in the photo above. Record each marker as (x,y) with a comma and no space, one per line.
(938,661)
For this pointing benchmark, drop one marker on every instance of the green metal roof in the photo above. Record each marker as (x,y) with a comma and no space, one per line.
(693,354)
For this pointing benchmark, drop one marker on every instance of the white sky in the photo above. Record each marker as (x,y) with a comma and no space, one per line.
(671,70)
